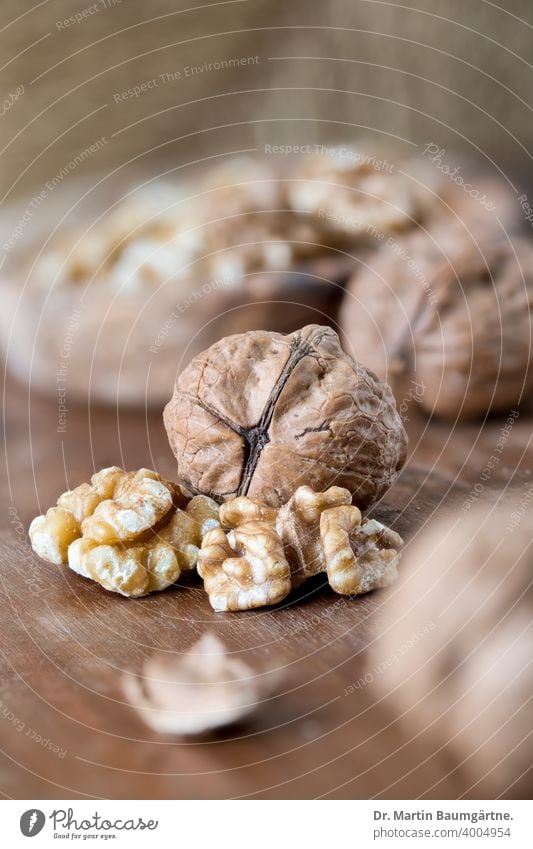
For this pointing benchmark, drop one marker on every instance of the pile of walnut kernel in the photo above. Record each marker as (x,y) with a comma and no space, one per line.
(254,421)
(132,532)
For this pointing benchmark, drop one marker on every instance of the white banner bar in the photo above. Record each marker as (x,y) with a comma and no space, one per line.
(267,824)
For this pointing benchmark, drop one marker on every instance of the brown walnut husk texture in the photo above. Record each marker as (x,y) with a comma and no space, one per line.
(451,312)
(259,414)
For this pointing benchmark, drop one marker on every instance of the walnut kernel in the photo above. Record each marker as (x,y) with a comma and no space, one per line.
(125,530)
(314,532)
(245,568)
(131,571)
(360,555)
(139,502)
(52,533)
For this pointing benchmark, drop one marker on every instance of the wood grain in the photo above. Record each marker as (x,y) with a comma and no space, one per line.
(65,643)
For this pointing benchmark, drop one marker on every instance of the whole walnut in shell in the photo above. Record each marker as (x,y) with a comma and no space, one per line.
(454,657)
(449,311)
(260,414)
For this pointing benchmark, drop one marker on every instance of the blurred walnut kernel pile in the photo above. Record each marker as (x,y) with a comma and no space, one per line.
(426,277)
(242,216)
(399,256)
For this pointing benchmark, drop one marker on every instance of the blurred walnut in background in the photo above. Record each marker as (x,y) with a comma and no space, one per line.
(451,311)
(110,114)
(140,276)
(464,611)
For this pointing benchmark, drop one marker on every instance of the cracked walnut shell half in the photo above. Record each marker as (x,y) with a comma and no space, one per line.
(132,532)
(259,414)
(279,549)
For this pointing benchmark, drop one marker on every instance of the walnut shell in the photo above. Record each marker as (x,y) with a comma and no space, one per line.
(260,414)
(450,313)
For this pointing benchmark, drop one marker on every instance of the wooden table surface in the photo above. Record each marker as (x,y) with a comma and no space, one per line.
(65,730)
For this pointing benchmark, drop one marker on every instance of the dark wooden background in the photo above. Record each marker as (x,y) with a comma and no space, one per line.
(65,643)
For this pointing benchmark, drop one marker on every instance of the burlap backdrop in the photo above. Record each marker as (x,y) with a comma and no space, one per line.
(403,71)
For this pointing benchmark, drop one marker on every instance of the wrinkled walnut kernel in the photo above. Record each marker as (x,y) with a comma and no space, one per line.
(359,556)
(83,500)
(52,533)
(298,524)
(314,532)
(125,530)
(187,528)
(241,510)
(140,501)
(245,568)
(131,571)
